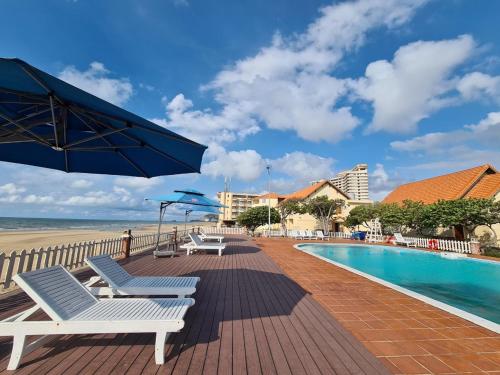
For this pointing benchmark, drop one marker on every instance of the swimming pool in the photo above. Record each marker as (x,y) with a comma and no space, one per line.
(467,284)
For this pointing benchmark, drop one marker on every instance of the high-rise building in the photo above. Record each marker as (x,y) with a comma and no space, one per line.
(236,203)
(354,182)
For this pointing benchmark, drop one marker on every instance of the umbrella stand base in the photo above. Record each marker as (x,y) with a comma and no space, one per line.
(163,253)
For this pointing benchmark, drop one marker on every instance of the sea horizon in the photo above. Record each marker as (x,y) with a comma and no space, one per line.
(41,224)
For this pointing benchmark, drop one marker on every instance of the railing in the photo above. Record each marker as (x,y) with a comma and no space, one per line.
(446,245)
(223,230)
(71,256)
(340,235)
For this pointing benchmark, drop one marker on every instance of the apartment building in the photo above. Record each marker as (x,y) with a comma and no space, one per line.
(236,204)
(353,182)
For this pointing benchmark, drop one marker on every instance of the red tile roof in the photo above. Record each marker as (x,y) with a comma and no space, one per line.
(307,191)
(450,186)
(487,187)
(271,196)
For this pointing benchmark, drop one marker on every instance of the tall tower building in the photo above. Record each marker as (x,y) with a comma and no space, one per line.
(354,182)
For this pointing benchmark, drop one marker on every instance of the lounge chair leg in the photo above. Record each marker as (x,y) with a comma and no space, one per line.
(161,338)
(17,352)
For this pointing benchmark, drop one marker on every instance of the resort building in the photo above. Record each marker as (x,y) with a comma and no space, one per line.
(479,182)
(353,182)
(322,188)
(236,203)
(272,199)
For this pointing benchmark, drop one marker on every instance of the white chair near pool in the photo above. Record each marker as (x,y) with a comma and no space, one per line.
(321,236)
(197,244)
(311,235)
(403,241)
(74,310)
(210,237)
(120,282)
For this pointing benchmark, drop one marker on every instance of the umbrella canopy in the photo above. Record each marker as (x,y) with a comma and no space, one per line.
(49,123)
(187,196)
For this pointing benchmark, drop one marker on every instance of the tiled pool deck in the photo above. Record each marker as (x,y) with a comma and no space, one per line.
(249,318)
(408,335)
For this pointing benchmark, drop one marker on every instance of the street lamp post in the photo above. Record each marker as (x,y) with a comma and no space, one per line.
(268,167)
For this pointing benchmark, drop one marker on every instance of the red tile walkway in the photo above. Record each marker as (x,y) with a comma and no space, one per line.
(409,336)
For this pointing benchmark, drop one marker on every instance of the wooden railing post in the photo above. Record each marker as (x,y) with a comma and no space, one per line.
(175,236)
(126,241)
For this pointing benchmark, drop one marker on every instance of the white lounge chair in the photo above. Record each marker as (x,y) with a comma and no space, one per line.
(197,244)
(122,283)
(310,234)
(320,235)
(74,310)
(302,235)
(210,237)
(403,241)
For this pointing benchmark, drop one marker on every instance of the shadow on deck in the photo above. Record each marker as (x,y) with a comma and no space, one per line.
(248,318)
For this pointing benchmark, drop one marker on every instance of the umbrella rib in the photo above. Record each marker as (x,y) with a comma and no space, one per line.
(23,129)
(98,135)
(172,136)
(139,169)
(134,138)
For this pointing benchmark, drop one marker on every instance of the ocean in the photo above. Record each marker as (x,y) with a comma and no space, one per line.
(21,223)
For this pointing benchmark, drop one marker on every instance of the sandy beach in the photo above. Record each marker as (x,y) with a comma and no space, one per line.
(25,239)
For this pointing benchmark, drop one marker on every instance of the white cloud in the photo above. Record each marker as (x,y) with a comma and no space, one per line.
(37,199)
(476,85)
(11,189)
(139,184)
(96,80)
(413,85)
(303,166)
(288,85)
(246,165)
(81,184)
(380,183)
(485,132)
(205,126)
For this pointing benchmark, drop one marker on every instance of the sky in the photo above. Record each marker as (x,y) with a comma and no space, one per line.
(309,87)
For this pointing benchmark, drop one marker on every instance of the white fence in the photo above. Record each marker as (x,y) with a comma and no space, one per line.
(223,230)
(281,233)
(446,245)
(71,256)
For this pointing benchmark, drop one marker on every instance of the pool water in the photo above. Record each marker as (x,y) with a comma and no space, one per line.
(468,284)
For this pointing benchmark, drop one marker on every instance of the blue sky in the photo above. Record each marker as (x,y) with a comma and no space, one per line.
(311,87)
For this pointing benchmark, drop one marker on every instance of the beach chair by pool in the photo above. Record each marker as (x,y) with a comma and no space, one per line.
(197,244)
(74,310)
(320,235)
(210,237)
(403,241)
(301,235)
(120,282)
(310,235)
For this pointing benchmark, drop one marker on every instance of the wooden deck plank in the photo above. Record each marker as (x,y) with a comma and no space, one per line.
(249,318)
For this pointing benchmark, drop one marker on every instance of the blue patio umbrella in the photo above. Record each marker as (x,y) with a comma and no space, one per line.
(190,197)
(49,123)
(208,209)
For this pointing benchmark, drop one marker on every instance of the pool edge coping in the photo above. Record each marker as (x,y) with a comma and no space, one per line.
(482,322)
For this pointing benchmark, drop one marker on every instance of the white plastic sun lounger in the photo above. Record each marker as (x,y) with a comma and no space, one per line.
(321,236)
(401,240)
(210,237)
(197,244)
(74,310)
(310,234)
(122,283)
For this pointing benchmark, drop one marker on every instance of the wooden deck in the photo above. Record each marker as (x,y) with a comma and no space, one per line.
(248,318)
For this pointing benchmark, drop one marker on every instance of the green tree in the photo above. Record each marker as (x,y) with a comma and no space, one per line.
(391,217)
(468,213)
(324,209)
(257,216)
(412,214)
(362,215)
(289,207)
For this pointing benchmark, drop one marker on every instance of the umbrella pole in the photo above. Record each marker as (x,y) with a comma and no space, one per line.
(163,207)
